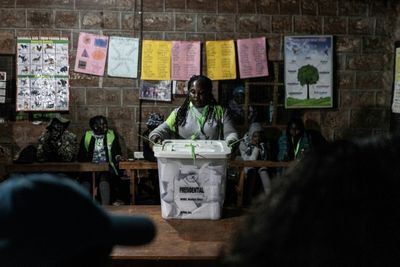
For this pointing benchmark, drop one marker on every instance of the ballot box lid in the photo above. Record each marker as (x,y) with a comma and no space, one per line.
(206,149)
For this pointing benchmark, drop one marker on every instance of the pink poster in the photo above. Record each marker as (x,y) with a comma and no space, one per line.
(91,54)
(252,55)
(185,60)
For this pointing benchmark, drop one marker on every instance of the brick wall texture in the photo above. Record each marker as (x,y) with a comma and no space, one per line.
(364,33)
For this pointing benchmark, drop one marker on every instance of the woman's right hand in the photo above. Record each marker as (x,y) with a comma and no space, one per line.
(155,140)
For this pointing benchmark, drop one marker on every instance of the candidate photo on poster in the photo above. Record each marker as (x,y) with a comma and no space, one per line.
(155,90)
(3,76)
(179,88)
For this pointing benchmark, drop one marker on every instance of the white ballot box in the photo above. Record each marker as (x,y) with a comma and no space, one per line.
(192,175)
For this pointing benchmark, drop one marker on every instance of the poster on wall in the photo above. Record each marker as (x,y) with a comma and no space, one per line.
(396,90)
(91,54)
(3,83)
(221,60)
(156,60)
(185,60)
(155,90)
(179,88)
(123,53)
(252,57)
(308,71)
(42,74)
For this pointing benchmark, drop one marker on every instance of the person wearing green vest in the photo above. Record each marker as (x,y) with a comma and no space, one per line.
(296,140)
(199,117)
(99,145)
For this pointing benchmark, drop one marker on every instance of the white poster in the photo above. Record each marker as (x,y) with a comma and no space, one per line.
(396,93)
(308,71)
(123,53)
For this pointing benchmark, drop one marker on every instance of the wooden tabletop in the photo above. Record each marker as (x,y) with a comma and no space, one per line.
(137,165)
(57,167)
(144,164)
(179,239)
(259,163)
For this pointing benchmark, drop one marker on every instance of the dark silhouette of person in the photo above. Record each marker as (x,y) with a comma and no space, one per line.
(48,220)
(337,207)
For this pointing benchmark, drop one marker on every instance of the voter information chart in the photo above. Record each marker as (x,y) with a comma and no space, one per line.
(42,74)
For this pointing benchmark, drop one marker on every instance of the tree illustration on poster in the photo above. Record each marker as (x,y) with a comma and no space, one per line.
(308,74)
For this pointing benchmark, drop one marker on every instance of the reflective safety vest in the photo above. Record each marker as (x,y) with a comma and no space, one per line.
(219,115)
(110,136)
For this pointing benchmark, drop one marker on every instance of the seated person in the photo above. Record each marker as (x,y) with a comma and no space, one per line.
(57,143)
(99,145)
(149,188)
(4,154)
(296,141)
(47,220)
(153,121)
(236,106)
(253,147)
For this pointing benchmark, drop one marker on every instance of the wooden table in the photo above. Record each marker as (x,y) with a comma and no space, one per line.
(178,242)
(59,167)
(132,167)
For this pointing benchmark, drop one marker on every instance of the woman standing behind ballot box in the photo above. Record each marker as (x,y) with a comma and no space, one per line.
(199,117)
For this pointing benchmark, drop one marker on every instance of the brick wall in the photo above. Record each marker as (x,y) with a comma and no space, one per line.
(364,34)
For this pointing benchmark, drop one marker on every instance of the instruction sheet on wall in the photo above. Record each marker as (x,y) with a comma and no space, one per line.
(42,74)
(396,91)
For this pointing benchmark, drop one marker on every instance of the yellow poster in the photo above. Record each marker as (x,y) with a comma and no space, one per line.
(221,64)
(156,60)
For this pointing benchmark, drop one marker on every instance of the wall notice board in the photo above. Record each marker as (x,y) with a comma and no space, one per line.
(7,87)
(42,74)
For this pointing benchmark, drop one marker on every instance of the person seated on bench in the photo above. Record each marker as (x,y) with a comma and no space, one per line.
(149,190)
(296,140)
(47,220)
(254,147)
(57,144)
(100,145)
(154,120)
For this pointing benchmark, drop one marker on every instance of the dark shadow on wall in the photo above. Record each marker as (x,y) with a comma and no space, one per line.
(367,121)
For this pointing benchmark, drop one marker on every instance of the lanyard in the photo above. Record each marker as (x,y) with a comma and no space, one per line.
(296,150)
(200,120)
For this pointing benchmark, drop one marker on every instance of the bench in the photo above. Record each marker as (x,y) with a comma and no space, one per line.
(59,167)
(131,168)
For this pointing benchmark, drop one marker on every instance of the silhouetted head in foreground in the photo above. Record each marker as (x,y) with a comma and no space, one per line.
(46,220)
(338,207)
